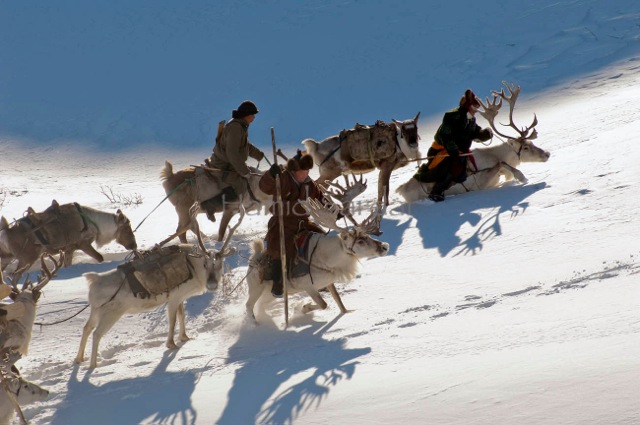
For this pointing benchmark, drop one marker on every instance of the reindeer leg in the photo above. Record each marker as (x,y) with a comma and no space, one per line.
(91,252)
(320,304)
(88,327)
(513,172)
(337,299)
(108,319)
(224,222)
(184,219)
(181,320)
(172,312)
(256,288)
(68,256)
(383,182)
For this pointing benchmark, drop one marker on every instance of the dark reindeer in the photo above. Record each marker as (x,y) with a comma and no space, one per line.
(190,185)
(66,228)
(365,148)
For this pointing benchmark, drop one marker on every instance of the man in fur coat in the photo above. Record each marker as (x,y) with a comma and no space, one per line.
(295,186)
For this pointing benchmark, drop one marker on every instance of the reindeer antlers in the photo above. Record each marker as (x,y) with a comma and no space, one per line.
(223,250)
(490,110)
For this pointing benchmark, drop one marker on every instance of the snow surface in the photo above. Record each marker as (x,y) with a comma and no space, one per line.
(517,305)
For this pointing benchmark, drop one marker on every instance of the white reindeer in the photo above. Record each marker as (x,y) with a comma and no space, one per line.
(494,163)
(335,258)
(110,297)
(16,323)
(22,391)
(17,318)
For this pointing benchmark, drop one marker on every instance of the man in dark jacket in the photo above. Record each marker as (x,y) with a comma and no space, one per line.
(454,136)
(230,155)
(295,186)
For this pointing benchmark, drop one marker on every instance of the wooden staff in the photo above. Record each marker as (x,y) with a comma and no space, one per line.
(283,257)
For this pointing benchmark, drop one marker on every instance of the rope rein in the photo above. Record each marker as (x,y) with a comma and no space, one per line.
(190,181)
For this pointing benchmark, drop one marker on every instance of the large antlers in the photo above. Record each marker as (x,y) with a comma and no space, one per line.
(490,110)
(345,194)
(327,216)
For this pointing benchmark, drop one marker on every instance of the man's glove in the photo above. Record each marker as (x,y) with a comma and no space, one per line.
(260,156)
(486,134)
(275,170)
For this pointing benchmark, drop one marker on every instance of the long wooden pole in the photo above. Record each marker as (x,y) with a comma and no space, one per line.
(283,257)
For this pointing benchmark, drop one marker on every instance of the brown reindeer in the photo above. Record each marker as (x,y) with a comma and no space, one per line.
(67,228)
(365,148)
(196,184)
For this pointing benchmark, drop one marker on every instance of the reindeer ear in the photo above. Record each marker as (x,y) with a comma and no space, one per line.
(54,203)
(5,290)
(3,223)
(416,118)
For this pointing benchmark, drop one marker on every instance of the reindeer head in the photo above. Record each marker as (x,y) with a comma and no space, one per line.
(357,241)
(215,259)
(408,137)
(124,233)
(522,144)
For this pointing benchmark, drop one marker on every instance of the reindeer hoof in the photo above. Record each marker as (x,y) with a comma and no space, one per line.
(171,345)
(184,338)
(79,360)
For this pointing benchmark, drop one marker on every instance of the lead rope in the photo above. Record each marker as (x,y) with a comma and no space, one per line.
(190,181)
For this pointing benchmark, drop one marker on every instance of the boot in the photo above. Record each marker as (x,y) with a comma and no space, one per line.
(276,275)
(216,204)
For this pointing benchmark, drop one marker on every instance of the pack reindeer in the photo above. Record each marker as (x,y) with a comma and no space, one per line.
(66,228)
(365,148)
(16,319)
(196,184)
(111,295)
(16,323)
(495,164)
(21,391)
(333,258)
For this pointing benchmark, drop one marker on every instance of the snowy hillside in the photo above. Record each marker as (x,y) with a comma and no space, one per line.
(517,305)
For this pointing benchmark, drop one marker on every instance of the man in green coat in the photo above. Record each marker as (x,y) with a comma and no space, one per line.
(230,155)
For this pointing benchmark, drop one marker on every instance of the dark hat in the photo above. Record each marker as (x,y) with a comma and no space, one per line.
(469,99)
(246,108)
(300,162)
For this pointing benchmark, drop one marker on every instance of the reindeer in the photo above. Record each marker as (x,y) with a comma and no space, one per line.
(366,148)
(111,297)
(192,184)
(67,228)
(16,323)
(334,258)
(492,162)
(22,391)
(18,318)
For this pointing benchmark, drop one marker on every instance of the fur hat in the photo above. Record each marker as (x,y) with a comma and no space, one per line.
(246,108)
(300,162)
(469,99)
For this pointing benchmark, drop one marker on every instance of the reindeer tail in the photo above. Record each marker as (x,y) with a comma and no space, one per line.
(167,171)
(257,247)
(311,146)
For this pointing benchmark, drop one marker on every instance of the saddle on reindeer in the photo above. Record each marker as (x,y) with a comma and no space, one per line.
(58,226)
(365,146)
(157,271)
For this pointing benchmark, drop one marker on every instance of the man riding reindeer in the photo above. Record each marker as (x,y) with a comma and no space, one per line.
(296,186)
(230,155)
(446,165)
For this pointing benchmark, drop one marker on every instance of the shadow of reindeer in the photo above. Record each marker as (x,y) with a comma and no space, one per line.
(161,397)
(261,391)
(439,224)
